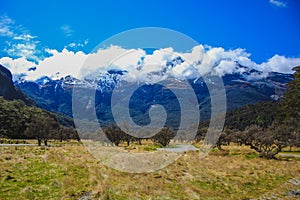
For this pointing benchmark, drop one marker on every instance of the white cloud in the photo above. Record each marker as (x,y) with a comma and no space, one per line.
(74,45)
(67,30)
(60,64)
(113,57)
(280,64)
(225,67)
(65,62)
(146,68)
(20,43)
(18,66)
(5,26)
(159,58)
(278,3)
(26,49)
(217,60)
(149,69)
(24,37)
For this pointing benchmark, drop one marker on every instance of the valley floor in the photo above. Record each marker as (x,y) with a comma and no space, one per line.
(68,171)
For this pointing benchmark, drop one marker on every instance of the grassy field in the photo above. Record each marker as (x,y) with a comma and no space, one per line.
(68,171)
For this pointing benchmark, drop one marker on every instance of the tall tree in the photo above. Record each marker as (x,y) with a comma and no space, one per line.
(114,134)
(42,126)
(12,118)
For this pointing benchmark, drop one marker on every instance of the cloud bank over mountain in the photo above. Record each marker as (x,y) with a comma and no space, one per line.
(139,65)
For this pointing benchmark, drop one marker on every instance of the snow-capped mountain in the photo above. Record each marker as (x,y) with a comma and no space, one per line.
(245,86)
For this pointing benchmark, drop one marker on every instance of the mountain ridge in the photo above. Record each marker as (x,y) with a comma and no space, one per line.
(241,89)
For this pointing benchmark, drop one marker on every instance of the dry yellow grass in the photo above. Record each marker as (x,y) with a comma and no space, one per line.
(69,172)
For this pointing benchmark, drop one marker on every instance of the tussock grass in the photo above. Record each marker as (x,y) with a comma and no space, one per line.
(68,171)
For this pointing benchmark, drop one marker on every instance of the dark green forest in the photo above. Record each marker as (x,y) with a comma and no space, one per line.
(19,121)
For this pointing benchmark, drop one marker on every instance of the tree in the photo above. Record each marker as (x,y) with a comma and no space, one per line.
(34,129)
(237,137)
(164,136)
(201,132)
(225,138)
(42,126)
(267,142)
(114,134)
(66,133)
(12,118)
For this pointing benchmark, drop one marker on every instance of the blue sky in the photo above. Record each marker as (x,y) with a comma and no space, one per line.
(263,28)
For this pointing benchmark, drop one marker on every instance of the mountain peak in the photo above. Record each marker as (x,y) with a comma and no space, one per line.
(8,90)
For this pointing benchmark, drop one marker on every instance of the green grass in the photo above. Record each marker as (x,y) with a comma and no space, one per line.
(32,172)
(251,155)
(12,141)
(68,171)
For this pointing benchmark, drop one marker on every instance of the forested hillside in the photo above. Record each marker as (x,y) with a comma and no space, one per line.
(18,121)
(21,119)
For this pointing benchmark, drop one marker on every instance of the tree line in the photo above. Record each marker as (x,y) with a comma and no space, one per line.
(18,121)
(116,135)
